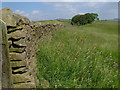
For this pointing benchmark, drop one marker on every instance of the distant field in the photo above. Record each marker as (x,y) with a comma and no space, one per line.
(48,21)
(80,57)
(55,21)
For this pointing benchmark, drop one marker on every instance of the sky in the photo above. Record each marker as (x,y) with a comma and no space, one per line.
(53,10)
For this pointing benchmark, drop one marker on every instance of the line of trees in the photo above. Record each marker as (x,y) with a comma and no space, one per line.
(84,19)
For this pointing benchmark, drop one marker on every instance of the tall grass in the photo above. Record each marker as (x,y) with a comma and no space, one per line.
(80,57)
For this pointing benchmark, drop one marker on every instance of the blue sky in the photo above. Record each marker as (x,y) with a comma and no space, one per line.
(53,10)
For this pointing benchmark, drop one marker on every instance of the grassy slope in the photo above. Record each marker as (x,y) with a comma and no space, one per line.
(80,56)
(47,21)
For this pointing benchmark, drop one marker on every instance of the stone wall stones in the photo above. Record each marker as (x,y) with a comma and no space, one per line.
(5,70)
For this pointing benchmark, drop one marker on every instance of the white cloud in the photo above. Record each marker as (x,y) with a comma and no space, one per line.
(81,13)
(64,7)
(37,15)
(33,15)
(21,13)
(67,10)
(35,12)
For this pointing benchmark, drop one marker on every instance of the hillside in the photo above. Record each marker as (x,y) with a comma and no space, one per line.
(80,56)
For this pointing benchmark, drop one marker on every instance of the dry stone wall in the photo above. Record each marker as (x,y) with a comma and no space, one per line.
(5,70)
(23,37)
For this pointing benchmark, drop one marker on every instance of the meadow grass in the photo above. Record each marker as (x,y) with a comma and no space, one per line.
(80,57)
(48,21)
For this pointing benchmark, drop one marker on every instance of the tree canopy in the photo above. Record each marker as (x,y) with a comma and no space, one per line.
(84,19)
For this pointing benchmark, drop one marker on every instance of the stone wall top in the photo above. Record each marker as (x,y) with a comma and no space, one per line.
(12,19)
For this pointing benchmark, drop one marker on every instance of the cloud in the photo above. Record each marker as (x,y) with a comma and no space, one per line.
(68,10)
(81,13)
(33,15)
(19,12)
(64,7)
(35,12)
(22,13)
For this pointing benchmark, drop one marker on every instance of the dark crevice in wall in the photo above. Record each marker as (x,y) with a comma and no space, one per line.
(17,46)
(14,68)
(8,27)
(13,39)
(21,82)
(13,31)
(19,72)
(19,51)
(18,82)
(15,60)
(10,30)
(28,81)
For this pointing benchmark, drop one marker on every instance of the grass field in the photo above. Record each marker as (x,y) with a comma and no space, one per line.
(48,21)
(80,57)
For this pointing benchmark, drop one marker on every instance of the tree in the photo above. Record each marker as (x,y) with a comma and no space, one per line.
(84,19)
(75,19)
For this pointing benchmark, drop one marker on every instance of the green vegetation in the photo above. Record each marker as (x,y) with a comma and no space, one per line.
(64,20)
(47,21)
(80,57)
(84,19)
